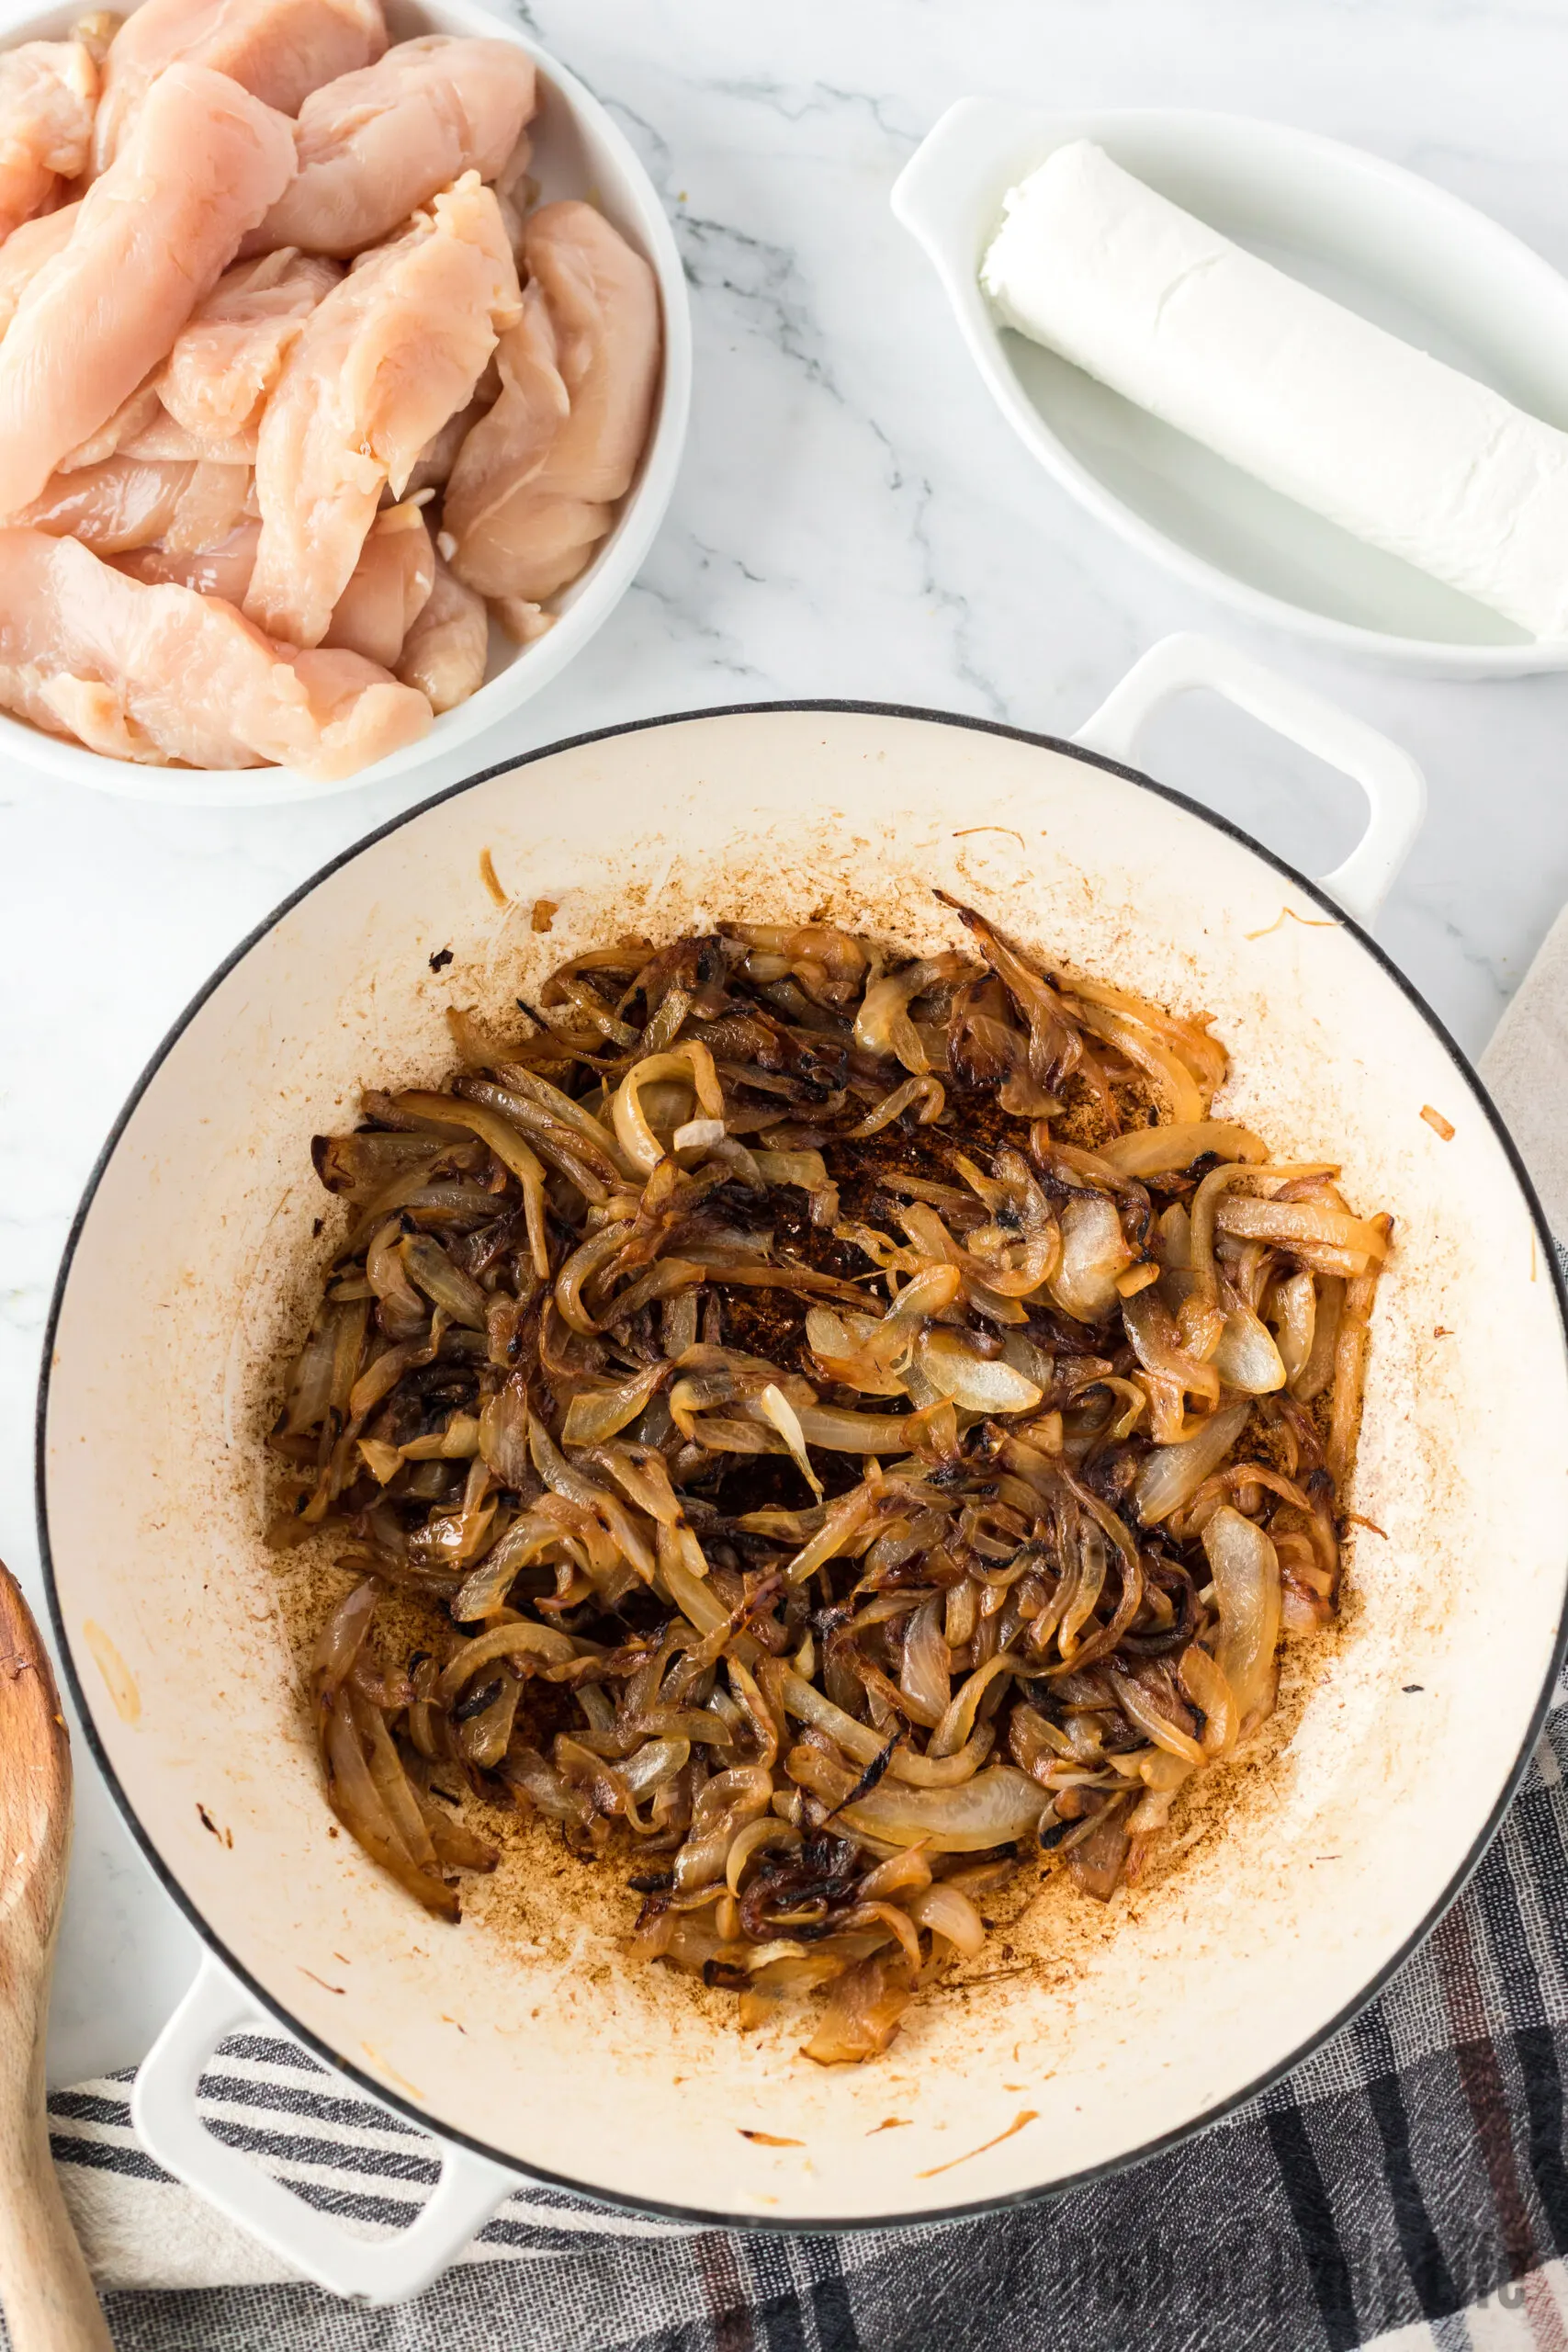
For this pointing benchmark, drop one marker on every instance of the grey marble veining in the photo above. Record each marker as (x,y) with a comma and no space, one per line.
(853,518)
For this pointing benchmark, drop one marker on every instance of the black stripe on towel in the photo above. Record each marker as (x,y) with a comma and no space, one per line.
(830,2306)
(354,2205)
(321,2107)
(1418,2242)
(1313,2213)
(104,2155)
(294,2148)
(1543,2082)
(272,2051)
(87,2107)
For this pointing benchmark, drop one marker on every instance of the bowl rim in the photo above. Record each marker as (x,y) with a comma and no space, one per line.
(718,2215)
(1434,657)
(611,572)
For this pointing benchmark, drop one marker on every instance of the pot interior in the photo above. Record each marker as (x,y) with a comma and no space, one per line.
(1083,2033)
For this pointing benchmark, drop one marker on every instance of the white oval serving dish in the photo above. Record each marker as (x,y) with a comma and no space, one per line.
(1386,244)
(579,150)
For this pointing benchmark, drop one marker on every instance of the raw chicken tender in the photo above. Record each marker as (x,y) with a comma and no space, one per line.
(126,501)
(216,500)
(223,570)
(159,673)
(278,49)
(439,455)
(375,146)
(523,620)
(48,92)
(162,438)
(118,504)
(132,418)
(151,238)
(230,352)
(25,251)
(545,544)
(446,651)
(142,427)
(532,492)
(389,588)
(381,363)
(516,193)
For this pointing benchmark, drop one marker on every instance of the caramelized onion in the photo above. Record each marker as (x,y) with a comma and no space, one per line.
(509,1148)
(1173,1474)
(1167,1150)
(1247,1585)
(947,1911)
(1295,1324)
(595,1414)
(997,1806)
(1094,1253)
(694,1064)
(925,1674)
(1247,1357)
(1070,1370)
(861,2016)
(1307,1228)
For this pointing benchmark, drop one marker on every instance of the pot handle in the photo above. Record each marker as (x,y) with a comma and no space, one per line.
(380,2270)
(1394,785)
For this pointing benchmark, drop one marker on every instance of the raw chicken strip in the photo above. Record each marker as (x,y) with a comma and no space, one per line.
(389,589)
(25,251)
(48,92)
(278,49)
(151,241)
(131,419)
(216,500)
(387,592)
(532,491)
(223,570)
(229,354)
(516,193)
(375,146)
(522,619)
(111,506)
(142,427)
(381,363)
(125,504)
(162,438)
(510,443)
(542,545)
(445,652)
(96,34)
(439,455)
(160,674)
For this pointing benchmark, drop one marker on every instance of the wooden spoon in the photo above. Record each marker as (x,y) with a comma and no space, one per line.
(47,2294)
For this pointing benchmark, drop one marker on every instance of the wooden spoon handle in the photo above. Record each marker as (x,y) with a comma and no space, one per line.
(49,2302)
(48,2296)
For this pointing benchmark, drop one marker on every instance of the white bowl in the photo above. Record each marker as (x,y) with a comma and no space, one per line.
(578,151)
(1380,239)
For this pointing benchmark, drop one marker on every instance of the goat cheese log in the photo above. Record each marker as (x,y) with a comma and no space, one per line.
(1398,448)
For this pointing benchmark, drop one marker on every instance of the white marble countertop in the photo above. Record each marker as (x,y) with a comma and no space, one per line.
(853,519)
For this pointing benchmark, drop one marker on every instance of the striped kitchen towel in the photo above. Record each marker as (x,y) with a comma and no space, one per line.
(1408,2187)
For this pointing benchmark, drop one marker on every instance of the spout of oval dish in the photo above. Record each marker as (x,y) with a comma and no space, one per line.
(949,194)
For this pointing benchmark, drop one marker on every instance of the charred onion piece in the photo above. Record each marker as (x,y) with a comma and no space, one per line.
(847,1424)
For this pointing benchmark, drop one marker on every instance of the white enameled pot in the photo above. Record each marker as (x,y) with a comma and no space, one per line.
(522,2037)
(580,149)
